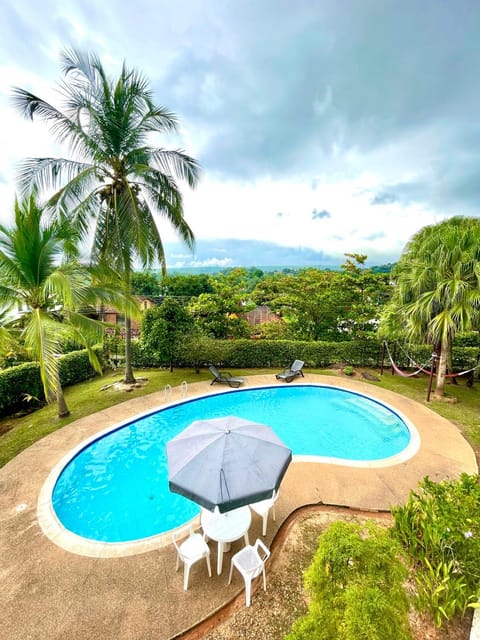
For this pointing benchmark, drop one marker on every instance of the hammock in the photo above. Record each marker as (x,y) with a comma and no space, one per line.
(421,368)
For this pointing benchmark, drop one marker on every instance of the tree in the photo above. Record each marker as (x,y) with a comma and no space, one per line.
(115,177)
(218,314)
(163,327)
(44,294)
(186,286)
(437,288)
(310,302)
(365,294)
(356,263)
(145,284)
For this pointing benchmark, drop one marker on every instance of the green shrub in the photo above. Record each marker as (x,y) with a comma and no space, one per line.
(471,339)
(17,384)
(75,366)
(441,591)
(356,586)
(20,384)
(439,526)
(244,353)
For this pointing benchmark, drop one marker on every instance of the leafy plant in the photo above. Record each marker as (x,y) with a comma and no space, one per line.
(441,591)
(162,329)
(356,574)
(440,529)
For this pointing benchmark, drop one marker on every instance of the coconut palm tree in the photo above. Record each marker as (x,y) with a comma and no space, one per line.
(43,286)
(115,179)
(437,288)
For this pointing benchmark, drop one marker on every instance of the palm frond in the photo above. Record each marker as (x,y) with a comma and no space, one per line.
(29,105)
(47,173)
(176,163)
(44,338)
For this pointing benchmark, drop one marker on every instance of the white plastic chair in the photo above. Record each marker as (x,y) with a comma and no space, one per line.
(263,507)
(250,561)
(191,550)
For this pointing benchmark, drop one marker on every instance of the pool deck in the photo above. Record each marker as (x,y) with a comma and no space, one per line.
(51,593)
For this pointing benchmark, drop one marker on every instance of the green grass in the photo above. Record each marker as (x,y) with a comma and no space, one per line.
(86,398)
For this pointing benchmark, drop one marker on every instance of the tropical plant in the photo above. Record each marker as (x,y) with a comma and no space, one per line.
(437,288)
(162,329)
(115,177)
(441,591)
(440,530)
(219,314)
(355,582)
(145,284)
(186,286)
(44,286)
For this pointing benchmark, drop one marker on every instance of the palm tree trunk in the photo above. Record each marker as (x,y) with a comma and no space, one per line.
(450,364)
(129,378)
(441,370)
(63,410)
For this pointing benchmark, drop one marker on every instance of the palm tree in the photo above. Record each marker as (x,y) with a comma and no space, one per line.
(437,288)
(43,293)
(115,178)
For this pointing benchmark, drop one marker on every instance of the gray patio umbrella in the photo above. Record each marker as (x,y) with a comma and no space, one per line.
(226,462)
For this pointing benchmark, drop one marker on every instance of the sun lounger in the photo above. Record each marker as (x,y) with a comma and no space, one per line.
(224,378)
(289,374)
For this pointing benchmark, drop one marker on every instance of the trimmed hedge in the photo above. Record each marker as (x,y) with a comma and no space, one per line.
(17,383)
(75,366)
(251,354)
(20,382)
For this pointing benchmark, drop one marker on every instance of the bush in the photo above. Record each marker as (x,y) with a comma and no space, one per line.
(245,353)
(440,529)
(75,366)
(18,385)
(356,586)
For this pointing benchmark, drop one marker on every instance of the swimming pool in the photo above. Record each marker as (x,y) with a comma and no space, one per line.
(115,489)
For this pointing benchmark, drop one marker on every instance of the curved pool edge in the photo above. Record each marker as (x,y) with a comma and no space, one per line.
(74,543)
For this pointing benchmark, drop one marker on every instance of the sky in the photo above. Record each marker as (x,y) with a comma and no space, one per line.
(322,127)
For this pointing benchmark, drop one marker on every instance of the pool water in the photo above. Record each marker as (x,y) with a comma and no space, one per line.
(116,488)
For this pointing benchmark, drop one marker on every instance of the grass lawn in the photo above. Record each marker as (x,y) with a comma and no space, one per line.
(83,399)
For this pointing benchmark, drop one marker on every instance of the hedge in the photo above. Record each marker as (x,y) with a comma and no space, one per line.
(75,366)
(18,383)
(251,354)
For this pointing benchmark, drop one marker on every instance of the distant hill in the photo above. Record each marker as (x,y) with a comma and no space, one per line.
(265,269)
(384,268)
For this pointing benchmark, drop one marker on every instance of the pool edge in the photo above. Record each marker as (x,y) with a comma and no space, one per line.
(74,543)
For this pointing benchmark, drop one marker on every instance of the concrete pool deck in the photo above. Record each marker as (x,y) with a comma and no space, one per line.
(48,592)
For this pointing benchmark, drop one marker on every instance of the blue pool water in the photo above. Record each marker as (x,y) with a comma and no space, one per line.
(116,488)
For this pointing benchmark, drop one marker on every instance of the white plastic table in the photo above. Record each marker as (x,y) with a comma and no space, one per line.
(225,528)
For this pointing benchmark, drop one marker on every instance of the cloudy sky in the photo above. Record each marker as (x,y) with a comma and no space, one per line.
(322,126)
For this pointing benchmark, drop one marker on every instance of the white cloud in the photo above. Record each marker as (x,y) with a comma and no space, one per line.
(312,108)
(209,262)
